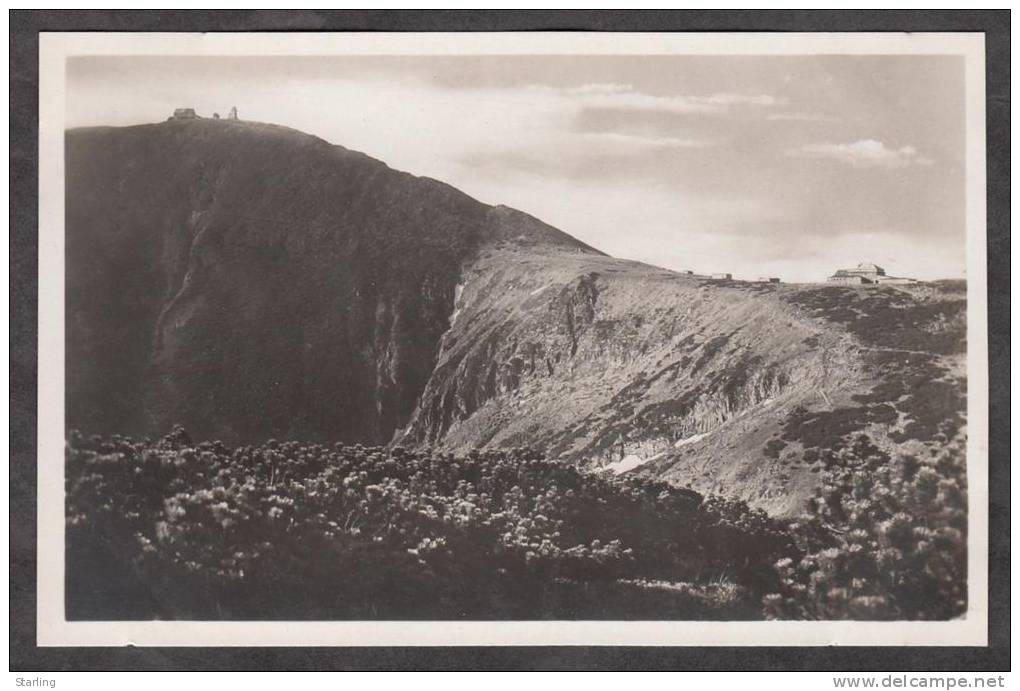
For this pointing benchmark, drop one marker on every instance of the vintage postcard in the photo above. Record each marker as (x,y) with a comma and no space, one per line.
(512,339)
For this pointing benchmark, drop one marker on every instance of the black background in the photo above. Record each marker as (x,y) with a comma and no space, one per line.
(24,81)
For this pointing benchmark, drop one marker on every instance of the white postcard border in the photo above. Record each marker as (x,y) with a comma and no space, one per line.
(53,630)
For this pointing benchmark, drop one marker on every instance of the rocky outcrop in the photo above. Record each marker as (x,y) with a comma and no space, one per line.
(590,356)
(604,363)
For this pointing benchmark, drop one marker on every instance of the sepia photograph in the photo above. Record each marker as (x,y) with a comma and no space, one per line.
(459,331)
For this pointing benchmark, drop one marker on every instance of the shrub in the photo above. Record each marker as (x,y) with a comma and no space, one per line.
(885,539)
(287,530)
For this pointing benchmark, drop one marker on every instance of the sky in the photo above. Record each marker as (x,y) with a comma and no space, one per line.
(788,166)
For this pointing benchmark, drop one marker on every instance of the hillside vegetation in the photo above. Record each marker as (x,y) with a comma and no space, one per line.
(289,531)
(177,530)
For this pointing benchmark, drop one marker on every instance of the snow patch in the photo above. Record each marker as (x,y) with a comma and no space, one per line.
(630,463)
(691,439)
(539,290)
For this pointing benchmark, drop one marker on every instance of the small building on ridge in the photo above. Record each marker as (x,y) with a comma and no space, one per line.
(184,114)
(866,273)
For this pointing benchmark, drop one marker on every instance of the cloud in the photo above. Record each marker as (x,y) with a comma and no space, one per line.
(574,156)
(800,117)
(625,97)
(865,153)
(639,142)
(741,100)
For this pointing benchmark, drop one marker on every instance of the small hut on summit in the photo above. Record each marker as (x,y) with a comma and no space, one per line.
(722,277)
(865,272)
(183,114)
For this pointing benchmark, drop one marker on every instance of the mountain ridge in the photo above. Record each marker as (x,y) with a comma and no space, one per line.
(251,281)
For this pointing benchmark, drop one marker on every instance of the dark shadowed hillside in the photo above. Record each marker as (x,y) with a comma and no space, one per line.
(249,282)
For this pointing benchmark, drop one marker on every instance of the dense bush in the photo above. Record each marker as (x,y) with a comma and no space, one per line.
(174,529)
(885,539)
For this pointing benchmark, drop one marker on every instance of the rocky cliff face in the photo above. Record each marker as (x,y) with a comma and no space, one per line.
(597,360)
(733,388)
(249,281)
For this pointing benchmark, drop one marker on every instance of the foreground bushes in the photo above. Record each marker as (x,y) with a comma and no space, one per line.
(174,529)
(885,539)
(177,530)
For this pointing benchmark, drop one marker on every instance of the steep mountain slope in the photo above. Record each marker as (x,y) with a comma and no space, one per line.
(249,282)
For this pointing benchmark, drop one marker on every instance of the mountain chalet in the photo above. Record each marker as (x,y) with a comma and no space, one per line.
(866,273)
